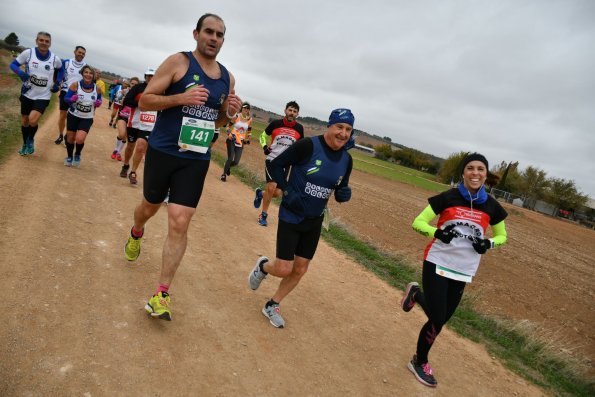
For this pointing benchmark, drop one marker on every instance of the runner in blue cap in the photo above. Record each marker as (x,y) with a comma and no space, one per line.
(320,167)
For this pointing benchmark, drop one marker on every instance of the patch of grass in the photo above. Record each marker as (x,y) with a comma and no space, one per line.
(395,172)
(10,118)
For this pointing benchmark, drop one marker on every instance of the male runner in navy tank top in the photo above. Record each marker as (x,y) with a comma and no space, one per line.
(195,96)
(319,166)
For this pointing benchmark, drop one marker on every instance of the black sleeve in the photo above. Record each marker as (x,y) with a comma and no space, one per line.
(438,203)
(130,98)
(300,128)
(345,180)
(270,128)
(499,213)
(297,153)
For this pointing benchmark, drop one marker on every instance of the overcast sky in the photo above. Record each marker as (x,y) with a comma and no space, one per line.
(514,80)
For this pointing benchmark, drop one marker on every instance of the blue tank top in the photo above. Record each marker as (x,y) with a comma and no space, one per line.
(315,180)
(169,121)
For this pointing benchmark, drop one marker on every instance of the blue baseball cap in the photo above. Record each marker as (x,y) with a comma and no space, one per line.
(341,116)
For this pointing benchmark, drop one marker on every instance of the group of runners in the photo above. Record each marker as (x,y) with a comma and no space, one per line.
(81,93)
(184,104)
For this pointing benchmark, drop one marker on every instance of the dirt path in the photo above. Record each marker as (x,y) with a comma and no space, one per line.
(74,322)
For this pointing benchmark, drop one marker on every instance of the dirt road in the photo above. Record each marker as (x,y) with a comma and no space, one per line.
(74,322)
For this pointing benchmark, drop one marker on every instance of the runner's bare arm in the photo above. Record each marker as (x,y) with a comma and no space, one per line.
(231,106)
(169,72)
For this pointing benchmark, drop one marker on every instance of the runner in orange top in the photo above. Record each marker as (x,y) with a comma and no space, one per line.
(238,133)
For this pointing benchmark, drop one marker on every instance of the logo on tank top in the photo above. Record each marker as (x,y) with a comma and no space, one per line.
(196,77)
(314,169)
(222,99)
(317,191)
(47,67)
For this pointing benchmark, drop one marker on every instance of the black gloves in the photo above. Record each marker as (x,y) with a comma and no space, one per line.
(293,201)
(266,150)
(482,245)
(446,235)
(343,194)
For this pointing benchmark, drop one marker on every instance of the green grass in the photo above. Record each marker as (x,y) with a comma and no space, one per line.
(370,165)
(10,118)
(519,350)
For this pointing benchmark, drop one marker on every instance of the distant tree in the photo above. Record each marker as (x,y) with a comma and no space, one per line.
(510,179)
(12,39)
(563,194)
(449,172)
(383,152)
(534,183)
(387,138)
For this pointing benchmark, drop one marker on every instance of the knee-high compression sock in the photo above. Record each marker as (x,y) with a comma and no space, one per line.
(33,131)
(69,149)
(79,149)
(25,133)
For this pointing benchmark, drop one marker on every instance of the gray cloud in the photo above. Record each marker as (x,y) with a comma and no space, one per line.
(511,79)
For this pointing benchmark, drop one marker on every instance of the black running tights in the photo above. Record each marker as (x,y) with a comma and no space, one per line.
(439,299)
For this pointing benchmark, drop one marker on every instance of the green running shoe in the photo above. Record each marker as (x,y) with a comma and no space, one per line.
(132,248)
(158,306)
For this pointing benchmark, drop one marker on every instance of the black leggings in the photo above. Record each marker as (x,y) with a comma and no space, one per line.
(439,300)
(234,154)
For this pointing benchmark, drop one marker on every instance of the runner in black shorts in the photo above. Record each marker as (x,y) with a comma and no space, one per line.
(320,166)
(283,133)
(140,125)
(39,82)
(69,73)
(178,157)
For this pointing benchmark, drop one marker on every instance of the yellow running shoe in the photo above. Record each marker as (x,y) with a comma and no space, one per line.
(132,248)
(158,306)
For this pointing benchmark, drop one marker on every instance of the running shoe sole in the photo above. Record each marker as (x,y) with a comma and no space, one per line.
(406,295)
(162,316)
(262,259)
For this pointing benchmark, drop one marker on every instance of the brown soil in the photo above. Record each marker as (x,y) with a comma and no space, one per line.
(74,321)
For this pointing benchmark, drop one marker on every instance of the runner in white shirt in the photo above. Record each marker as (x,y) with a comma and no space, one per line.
(68,74)
(38,84)
(83,97)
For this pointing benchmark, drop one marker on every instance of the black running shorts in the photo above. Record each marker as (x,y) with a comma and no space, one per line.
(183,178)
(134,134)
(28,105)
(74,123)
(267,175)
(298,239)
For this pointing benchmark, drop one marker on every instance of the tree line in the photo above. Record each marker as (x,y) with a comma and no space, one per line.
(531,183)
